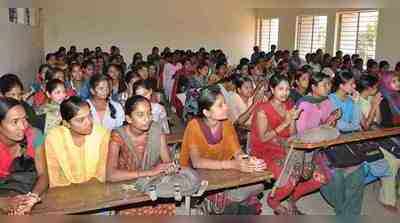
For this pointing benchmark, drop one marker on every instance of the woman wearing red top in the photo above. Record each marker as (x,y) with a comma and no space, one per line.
(17,139)
(272,124)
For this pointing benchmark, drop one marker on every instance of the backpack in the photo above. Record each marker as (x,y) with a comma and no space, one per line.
(354,153)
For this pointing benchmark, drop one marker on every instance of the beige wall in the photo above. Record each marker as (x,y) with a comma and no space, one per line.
(21,48)
(139,25)
(387,46)
(388,42)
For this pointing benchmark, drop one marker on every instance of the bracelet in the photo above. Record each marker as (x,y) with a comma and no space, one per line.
(34,195)
(275,132)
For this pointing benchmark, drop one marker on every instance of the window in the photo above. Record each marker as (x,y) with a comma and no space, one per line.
(27,16)
(267,33)
(357,33)
(311,33)
(13,15)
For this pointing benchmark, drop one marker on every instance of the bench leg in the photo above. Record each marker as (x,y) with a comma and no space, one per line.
(187,205)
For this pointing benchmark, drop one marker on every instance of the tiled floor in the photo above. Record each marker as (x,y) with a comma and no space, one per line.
(314,204)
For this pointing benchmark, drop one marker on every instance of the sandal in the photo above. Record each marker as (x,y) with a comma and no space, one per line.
(390,208)
(281,210)
(308,171)
(293,209)
(296,211)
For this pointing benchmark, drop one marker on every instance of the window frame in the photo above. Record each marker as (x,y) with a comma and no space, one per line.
(13,15)
(24,16)
(339,21)
(313,27)
(259,33)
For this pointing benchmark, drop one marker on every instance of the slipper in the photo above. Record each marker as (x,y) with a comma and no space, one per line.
(389,208)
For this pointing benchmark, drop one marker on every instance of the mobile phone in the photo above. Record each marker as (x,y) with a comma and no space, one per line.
(245,157)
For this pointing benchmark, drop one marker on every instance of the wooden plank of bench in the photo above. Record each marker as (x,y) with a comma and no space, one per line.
(93,195)
(348,138)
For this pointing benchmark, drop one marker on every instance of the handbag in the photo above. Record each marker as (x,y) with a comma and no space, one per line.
(23,174)
(392,145)
(183,182)
(352,154)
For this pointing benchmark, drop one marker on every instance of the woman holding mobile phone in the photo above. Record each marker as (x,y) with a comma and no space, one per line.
(272,125)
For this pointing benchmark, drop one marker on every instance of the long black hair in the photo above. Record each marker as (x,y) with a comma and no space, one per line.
(51,74)
(94,81)
(239,80)
(365,82)
(132,103)
(276,79)
(121,84)
(5,105)
(316,78)
(208,96)
(8,82)
(69,108)
(146,84)
(53,84)
(341,78)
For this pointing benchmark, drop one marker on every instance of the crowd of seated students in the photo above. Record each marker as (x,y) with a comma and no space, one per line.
(89,115)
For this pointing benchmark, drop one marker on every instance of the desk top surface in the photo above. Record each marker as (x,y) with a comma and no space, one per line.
(93,195)
(348,138)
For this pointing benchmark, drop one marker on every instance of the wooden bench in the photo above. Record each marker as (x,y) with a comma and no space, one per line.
(94,196)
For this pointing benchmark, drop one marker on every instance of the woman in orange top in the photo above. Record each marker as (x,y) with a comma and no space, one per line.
(210,142)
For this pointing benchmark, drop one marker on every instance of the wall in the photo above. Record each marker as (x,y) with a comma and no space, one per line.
(21,47)
(387,46)
(139,25)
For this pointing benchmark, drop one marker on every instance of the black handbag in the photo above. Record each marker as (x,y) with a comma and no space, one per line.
(352,154)
(392,145)
(23,175)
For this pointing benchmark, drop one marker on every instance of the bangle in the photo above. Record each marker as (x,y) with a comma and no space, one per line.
(34,196)
(275,132)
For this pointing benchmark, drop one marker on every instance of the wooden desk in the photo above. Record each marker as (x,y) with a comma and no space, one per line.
(174,138)
(95,196)
(348,138)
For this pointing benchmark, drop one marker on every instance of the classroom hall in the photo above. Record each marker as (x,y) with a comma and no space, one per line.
(224,107)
